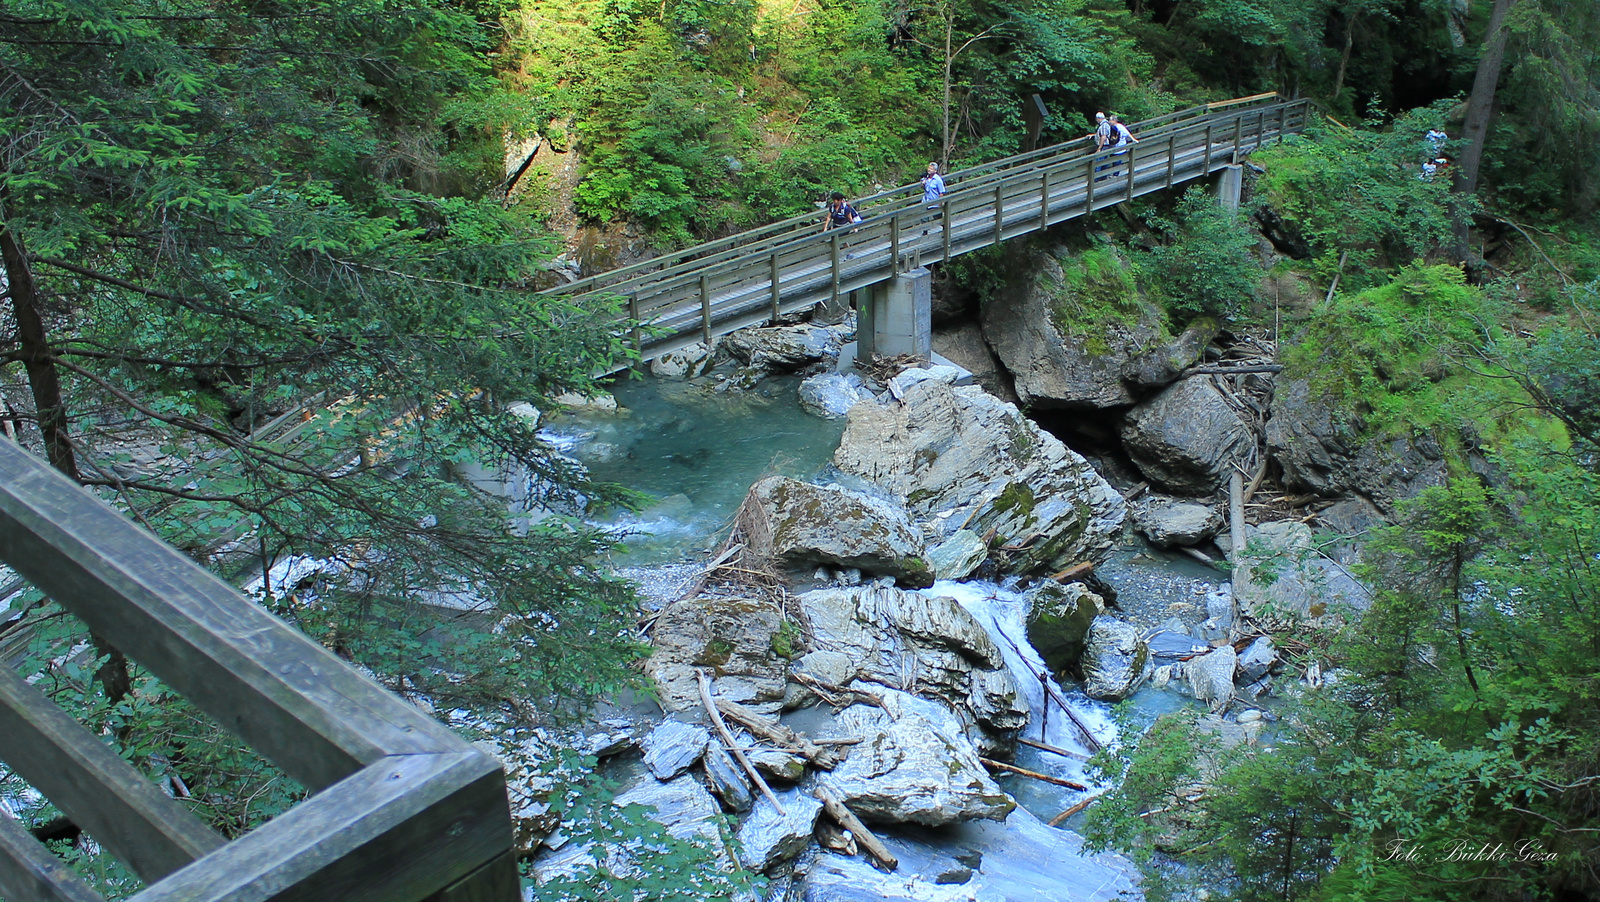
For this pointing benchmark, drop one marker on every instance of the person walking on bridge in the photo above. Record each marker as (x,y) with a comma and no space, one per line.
(1122,139)
(932,189)
(1104,137)
(840,215)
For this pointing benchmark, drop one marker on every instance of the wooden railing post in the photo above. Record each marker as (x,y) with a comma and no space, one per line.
(999,211)
(705,306)
(944,209)
(1172,157)
(1044,199)
(1238,137)
(1132,168)
(633,314)
(833,250)
(1205,168)
(1088,181)
(894,241)
(777,295)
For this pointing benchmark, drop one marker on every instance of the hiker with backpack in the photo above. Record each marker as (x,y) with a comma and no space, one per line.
(1104,137)
(840,215)
(1121,140)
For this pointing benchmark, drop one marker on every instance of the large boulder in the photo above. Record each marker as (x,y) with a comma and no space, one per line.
(779,348)
(914,764)
(814,524)
(960,458)
(1280,570)
(908,639)
(1323,448)
(1059,618)
(733,637)
(1115,660)
(831,395)
(685,363)
(674,747)
(1170,522)
(1210,677)
(768,838)
(1065,340)
(1187,438)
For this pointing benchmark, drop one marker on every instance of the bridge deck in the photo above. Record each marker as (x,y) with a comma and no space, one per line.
(751,278)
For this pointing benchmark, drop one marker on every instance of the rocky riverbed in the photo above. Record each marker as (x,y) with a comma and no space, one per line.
(915,617)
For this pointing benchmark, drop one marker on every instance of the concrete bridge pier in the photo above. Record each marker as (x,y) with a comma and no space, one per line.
(1230,185)
(896,317)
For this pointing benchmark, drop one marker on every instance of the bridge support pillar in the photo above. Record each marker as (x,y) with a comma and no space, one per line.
(1230,185)
(897,317)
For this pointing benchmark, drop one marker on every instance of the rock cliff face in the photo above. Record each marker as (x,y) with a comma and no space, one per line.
(961,458)
(1106,363)
(1319,444)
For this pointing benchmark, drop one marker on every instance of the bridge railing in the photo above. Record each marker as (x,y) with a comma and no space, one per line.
(713,252)
(697,299)
(400,809)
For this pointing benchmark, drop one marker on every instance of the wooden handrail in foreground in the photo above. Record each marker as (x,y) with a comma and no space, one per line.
(401,810)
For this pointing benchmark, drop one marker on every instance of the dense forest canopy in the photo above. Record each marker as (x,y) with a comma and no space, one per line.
(264,289)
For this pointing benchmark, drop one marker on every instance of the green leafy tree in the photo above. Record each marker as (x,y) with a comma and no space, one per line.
(252,301)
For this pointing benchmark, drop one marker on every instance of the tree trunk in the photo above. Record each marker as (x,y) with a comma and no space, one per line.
(1344,57)
(51,409)
(1480,108)
(37,358)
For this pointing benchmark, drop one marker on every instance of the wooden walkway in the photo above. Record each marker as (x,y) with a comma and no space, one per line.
(751,278)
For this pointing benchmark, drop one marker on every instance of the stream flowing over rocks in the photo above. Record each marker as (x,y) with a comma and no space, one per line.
(913,640)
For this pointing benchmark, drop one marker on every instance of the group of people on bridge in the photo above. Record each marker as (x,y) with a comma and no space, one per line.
(1111,139)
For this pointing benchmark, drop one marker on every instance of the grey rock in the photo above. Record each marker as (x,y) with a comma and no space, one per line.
(1210,677)
(686,363)
(1059,618)
(958,556)
(915,764)
(1220,608)
(949,375)
(1057,359)
(727,780)
(964,346)
(780,348)
(1280,569)
(682,806)
(907,639)
(963,459)
(832,668)
(1170,645)
(768,839)
(1187,438)
(1324,449)
(1018,860)
(831,395)
(1256,659)
(1169,522)
(778,764)
(1162,365)
(1115,660)
(833,525)
(732,635)
(674,747)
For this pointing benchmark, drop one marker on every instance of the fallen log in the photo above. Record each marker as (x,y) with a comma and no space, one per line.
(1060,818)
(710,704)
(865,838)
(1031,774)
(1076,570)
(778,734)
(1054,750)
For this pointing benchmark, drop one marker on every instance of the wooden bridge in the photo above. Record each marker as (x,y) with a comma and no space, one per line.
(401,810)
(747,279)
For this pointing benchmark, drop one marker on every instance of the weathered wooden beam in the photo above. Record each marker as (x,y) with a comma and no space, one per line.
(149,832)
(496,881)
(405,828)
(30,873)
(308,712)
